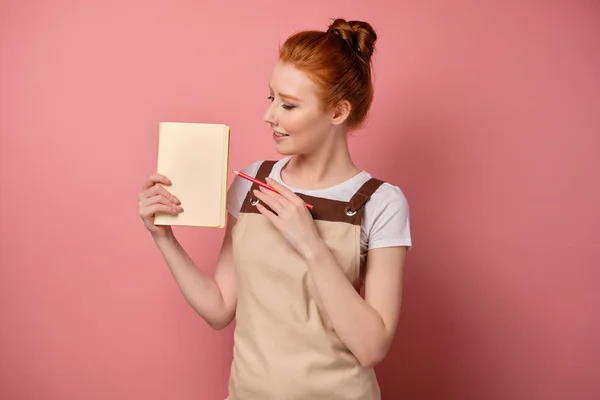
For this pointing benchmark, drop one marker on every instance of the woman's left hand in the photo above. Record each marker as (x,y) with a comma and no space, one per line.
(291,218)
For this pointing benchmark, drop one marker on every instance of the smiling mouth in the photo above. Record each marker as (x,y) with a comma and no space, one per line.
(278,134)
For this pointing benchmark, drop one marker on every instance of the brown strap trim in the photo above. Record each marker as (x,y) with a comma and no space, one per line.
(324,209)
(264,170)
(364,193)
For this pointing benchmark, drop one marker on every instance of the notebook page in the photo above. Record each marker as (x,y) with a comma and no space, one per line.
(195,158)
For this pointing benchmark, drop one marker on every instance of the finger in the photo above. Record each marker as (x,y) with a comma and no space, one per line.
(158,189)
(288,196)
(159,198)
(283,191)
(269,198)
(270,216)
(154,179)
(276,197)
(149,211)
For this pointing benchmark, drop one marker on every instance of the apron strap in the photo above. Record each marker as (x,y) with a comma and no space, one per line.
(364,194)
(263,171)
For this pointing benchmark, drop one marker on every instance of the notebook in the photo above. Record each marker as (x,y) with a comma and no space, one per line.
(195,158)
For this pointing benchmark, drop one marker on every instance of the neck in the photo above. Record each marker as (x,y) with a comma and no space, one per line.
(328,165)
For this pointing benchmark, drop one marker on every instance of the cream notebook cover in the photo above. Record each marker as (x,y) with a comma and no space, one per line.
(195,157)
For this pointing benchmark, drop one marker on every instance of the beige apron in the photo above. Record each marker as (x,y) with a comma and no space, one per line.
(285,346)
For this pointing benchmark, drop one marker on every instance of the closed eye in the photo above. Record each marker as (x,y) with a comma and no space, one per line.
(284,106)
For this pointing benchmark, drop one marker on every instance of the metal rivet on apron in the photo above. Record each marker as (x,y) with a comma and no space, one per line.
(349,212)
(254,201)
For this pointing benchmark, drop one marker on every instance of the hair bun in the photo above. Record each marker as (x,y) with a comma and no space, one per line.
(359,35)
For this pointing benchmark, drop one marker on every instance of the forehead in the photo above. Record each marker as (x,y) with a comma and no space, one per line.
(288,79)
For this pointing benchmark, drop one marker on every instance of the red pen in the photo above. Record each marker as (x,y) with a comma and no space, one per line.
(259,183)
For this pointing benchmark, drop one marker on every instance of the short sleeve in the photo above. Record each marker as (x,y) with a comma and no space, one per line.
(239,189)
(389,219)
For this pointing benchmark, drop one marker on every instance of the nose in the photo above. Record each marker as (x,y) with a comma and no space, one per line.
(270,116)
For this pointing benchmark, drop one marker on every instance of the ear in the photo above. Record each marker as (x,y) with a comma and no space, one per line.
(341,112)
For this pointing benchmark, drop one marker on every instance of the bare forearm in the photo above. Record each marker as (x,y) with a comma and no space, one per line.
(200,290)
(357,324)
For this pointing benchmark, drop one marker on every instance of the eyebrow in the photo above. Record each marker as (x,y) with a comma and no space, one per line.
(286,96)
(289,97)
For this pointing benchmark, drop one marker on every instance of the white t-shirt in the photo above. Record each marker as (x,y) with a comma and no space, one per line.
(386,219)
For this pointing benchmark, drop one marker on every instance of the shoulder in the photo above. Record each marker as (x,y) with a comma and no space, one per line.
(252,168)
(388,195)
(387,217)
(239,188)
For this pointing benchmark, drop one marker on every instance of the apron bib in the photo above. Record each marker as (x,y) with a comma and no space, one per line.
(285,347)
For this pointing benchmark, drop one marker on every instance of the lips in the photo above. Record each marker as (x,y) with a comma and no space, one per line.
(279,134)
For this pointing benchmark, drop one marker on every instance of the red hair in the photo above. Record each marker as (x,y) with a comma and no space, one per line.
(339,62)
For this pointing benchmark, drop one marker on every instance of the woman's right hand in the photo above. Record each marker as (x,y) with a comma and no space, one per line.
(155,198)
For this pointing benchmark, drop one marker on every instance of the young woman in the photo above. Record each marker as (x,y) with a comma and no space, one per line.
(292,276)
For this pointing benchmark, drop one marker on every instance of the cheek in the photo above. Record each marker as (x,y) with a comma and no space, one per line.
(303,123)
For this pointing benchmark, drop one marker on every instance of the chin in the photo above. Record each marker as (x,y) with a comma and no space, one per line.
(287,150)
(294,147)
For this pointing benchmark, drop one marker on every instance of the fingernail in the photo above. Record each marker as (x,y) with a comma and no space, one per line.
(176,200)
(179,209)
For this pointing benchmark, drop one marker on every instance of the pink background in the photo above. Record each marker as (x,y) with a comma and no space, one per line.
(487,116)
